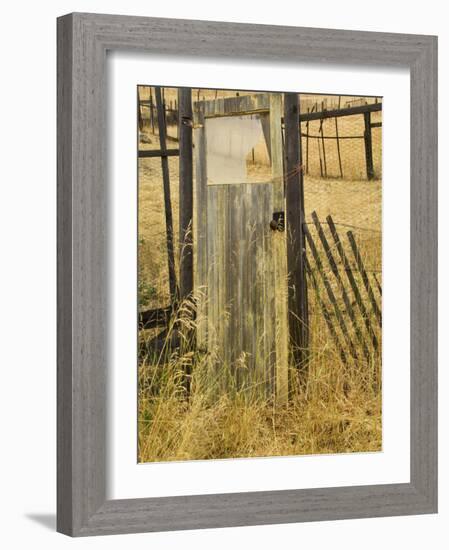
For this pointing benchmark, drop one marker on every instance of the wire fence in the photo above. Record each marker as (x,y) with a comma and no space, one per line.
(334,166)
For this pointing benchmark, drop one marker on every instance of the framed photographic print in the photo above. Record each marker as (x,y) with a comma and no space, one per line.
(246,274)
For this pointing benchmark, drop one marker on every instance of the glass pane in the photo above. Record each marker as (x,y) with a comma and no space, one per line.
(237,149)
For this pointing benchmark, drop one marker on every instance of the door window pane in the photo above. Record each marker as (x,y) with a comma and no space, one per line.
(238,149)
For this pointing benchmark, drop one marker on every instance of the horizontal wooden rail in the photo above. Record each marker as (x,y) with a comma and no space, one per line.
(348,111)
(152,153)
(319,115)
(152,318)
(310,136)
(147,103)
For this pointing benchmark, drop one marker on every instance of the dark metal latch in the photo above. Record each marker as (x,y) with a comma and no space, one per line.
(278,221)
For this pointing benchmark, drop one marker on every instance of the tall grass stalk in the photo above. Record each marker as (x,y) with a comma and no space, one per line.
(338,411)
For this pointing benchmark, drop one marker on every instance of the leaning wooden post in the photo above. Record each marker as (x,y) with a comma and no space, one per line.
(185,193)
(151,111)
(167,198)
(294,186)
(139,111)
(368,146)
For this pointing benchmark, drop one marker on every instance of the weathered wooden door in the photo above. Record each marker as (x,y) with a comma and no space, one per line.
(240,245)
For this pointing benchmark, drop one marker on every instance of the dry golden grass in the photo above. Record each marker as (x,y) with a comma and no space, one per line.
(340,411)
(171,430)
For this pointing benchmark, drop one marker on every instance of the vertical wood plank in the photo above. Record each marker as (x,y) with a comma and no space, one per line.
(185,193)
(240,338)
(323,144)
(319,155)
(200,229)
(368,146)
(151,110)
(139,110)
(167,196)
(69,511)
(297,302)
(307,144)
(338,140)
(279,241)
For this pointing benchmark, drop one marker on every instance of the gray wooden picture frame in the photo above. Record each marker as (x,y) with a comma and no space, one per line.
(83,40)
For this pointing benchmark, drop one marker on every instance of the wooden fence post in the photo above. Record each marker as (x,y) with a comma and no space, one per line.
(167,198)
(139,110)
(185,193)
(368,146)
(294,188)
(151,111)
(322,141)
(319,155)
(338,140)
(307,146)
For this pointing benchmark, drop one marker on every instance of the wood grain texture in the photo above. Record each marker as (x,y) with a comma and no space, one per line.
(82,281)
(241,283)
(341,287)
(279,252)
(294,198)
(83,40)
(65,494)
(424,277)
(345,111)
(352,282)
(200,229)
(185,193)
(162,128)
(236,105)
(238,247)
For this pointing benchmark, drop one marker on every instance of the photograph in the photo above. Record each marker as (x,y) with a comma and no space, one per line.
(223,233)
(259,274)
